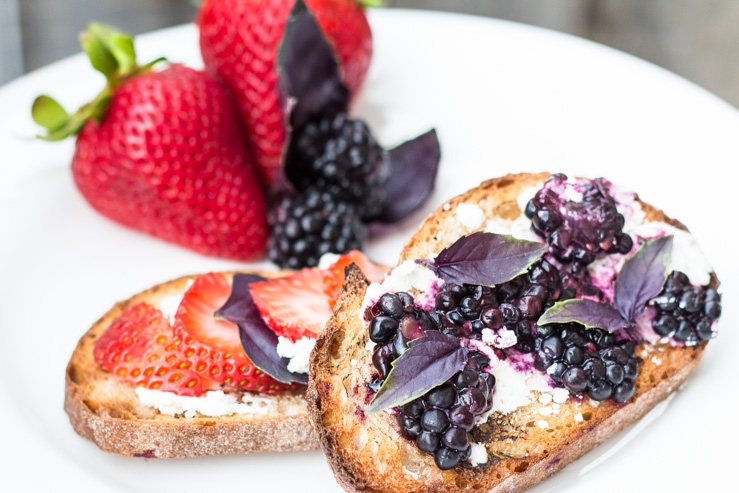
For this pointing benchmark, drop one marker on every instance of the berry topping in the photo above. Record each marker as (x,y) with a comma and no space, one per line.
(313,222)
(578,220)
(684,312)
(438,421)
(339,153)
(213,347)
(139,347)
(587,361)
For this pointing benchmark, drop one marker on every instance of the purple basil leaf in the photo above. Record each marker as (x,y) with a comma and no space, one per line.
(642,277)
(591,314)
(413,166)
(429,362)
(486,258)
(308,70)
(257,339)
(240,302)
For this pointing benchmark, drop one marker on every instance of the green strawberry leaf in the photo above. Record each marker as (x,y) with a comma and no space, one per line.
(111,50)
(48,113)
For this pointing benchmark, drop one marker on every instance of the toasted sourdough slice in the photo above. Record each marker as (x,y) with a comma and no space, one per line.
(107,411)
(367,453)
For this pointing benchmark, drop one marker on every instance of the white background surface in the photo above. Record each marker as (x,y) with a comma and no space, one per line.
(504,98)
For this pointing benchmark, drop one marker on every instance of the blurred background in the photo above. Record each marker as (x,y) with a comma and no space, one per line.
(698,39)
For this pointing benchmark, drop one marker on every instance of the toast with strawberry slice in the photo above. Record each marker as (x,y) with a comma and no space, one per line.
(164,374)
(530,319)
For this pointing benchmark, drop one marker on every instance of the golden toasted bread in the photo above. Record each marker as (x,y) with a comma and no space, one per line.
(525,446)
(106,409)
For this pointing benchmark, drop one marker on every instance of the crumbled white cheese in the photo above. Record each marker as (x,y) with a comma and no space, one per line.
(297,352)
(170,303)
(370,346)
(471,216)
(560,395)
(593,402)
(572,194)
(405,277)
(578,417)
(657,361)
(519,228)
(542,424)
(546,411)
(503,338)
(478,454)
(214,403)
(446,206)
(526,195)
(545,398)
(327,260)
(353,362)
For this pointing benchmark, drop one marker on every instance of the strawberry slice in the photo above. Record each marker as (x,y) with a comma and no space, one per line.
(334,276)
(139,347)
(300,305)
(213,347)
(294,306)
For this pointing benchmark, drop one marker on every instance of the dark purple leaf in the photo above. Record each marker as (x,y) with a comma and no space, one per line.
(642,277)
(429,362)
(308,71)
(486,258)
(257,339)
(413,166)
(240,302)
(591,314)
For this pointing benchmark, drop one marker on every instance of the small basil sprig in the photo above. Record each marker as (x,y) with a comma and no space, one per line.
(641,279)
(257,339)
(485,258)
(429,362)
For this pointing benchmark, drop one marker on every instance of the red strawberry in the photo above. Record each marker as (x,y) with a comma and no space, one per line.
(162,152)
(139,347)
(212,346)
(300,305)
(239,41)
(333,277)
(294,306)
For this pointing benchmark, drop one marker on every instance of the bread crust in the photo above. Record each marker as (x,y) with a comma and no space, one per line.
(367,453)
(106,410)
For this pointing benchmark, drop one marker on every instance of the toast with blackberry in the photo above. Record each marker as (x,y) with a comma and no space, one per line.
(165,374)
(529,320)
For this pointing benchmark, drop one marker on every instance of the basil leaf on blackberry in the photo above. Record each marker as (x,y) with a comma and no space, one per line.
(429,362)
(257,339)
(308,71)
(413,166)
(589,313)
(486,259)
(642,277)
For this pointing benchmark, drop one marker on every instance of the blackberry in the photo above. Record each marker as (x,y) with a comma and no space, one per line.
(440,420)
(337,152)
(311,223)
(684,312)
(447,413)
(588,361)
(577,231)
(464,310)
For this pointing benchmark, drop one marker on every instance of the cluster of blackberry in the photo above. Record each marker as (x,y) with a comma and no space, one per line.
(440,420)
(577,231)
(684,312)
(587,360)
(465,310)
(338,170)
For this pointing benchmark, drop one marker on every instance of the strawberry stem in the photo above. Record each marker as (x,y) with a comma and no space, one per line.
(373,3)
(112,53)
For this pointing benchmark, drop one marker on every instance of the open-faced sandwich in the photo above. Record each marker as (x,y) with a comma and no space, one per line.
(529,320)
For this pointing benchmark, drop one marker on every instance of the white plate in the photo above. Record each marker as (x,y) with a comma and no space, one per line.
(504,97)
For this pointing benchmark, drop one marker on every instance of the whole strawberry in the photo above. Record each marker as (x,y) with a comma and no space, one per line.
(239,41)
(162,152)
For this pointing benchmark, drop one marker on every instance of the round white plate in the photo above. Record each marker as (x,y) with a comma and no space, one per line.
(504,97)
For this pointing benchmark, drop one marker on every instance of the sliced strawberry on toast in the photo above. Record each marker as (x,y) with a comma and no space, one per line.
(213,347)
(334,276)
(139,347)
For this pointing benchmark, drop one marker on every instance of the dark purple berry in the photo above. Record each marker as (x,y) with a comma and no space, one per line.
(382,358)
(446,458)
(442,397)
(624,391)
(455,438)
(428,442)
(434,420)
(575,380)
(391,305)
